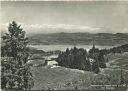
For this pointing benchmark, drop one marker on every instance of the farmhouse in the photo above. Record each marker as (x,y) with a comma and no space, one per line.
(53,62)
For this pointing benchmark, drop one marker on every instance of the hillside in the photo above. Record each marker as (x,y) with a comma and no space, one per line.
(118,60)
(79,38)
(65,78)
(46,77)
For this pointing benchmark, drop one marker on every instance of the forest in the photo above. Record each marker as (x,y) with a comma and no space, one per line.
(88,61)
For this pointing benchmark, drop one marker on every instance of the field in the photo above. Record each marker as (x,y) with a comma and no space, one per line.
(61,78)
(55,78)
(118,60)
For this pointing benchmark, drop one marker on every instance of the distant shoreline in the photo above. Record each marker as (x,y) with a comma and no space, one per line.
(64,47)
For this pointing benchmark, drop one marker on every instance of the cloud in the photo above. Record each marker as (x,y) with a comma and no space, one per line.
(61,28)
(50,28)
(53,28)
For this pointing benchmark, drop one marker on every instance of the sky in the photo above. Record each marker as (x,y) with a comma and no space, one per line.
(68,16)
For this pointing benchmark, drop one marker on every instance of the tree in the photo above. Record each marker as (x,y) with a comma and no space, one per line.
(101,60)
(74,58)
(15,73)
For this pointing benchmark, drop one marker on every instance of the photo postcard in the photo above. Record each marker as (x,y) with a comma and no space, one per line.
(64,45)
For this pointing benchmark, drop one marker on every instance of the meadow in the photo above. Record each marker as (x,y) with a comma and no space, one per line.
(61,78)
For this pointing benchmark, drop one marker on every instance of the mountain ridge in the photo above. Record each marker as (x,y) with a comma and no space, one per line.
(79,38)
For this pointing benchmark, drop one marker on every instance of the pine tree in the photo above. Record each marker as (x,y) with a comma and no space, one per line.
(15,73)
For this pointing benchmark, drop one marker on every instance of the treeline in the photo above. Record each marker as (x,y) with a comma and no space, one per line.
(92,60)
(81,59)
(118,49)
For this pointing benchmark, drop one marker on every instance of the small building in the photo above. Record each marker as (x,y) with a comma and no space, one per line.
(52,62)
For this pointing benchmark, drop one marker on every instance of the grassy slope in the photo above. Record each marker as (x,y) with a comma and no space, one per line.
(118,60)
(57,78)
(65,78)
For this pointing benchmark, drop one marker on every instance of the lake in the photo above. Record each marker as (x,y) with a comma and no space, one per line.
(63,47)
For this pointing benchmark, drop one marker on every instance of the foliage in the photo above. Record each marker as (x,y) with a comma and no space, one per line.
(15,72)
(80,59)
(118,49)
(74,58)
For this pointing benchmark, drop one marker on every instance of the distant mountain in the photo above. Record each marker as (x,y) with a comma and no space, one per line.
(79,38)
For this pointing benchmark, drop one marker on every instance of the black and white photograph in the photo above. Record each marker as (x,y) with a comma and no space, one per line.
(64,45)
